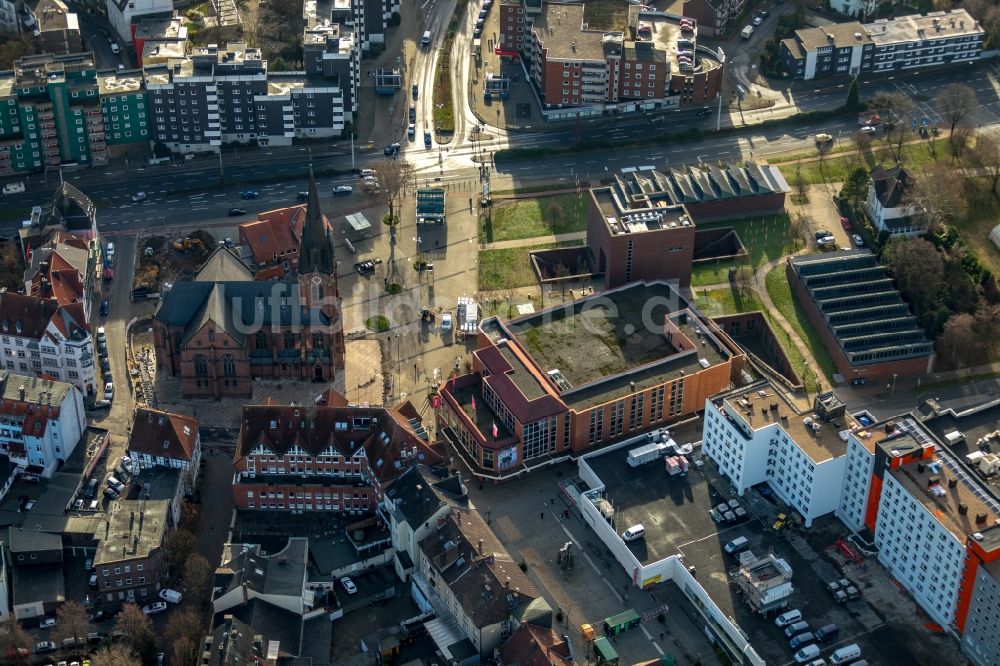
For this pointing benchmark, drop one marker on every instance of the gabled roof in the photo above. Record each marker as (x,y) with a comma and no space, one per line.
(72,208)
(275,233)
(236,307)
(890,185)
(532,645)
(224,266)
(480,572)
(26,316)
(389,440)
(159,433)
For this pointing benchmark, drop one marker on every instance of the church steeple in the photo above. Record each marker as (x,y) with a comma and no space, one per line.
(316,248)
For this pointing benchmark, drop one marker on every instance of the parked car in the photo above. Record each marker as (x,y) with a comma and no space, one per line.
(155,607)
(801,640)
(445,322)
(236,212)
(342,190)
(138,196)
(78,504)
(93,580)
(844,222)
(634,532)
(391,150)
(104,308)
(758,20)
(822,233)
(26,506)
(173,596)
(858,240)
(100,404)
(367,267)
(824,138)
(414,90)
(827,633)
(18,187)
(109,391)
(736,545)
(17,652)
(411,131)
(788,617)
(348,585)
(427,139)
(859,381)
(868,129)
(808,653)
(796,629)
(111,493)
(47,623)
(44,646)
(366,173)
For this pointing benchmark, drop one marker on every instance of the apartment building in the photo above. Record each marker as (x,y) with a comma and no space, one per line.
(331,52)
(124,15)
(129,558)
(164,439)
(756,435)
(273,241)
(58,110)
(981,638)
(549,384)
(905,42)
(937,527)
(651,62)
(861,317)
(158,37)
(39,336)
(466,569)
(714,17)
(63,268)
(222,95)
(332,457)
(41,422)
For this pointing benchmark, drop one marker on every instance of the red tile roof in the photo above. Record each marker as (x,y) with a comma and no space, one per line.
(532,645)
(30,314)
(159,433)
(276,234)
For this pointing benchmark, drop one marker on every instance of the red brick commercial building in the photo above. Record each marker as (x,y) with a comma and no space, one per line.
(331,457)
(219,335)
(568,379)
(865,325)
(651,62)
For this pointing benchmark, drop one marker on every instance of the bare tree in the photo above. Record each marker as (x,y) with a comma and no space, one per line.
(986,153)
(800,183)
(959,141)
(73,623)
(185,652)
(938,195)
(958,342)
(897,110)
(197,577)
(178,545)
(918,269)
(113,655)
(137,628)
(743,281)
(185,623)
(956,102)
(395,178)
(250,19)
(15,641)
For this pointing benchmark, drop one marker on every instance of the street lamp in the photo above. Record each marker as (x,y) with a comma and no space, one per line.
(894,384)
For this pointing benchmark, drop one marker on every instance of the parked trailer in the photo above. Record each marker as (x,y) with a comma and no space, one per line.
(646,453)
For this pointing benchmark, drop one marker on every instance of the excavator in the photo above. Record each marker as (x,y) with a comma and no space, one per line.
(188,244)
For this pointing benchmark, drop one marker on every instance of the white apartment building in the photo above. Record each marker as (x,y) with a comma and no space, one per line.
(41,422)
(981,638)
(122,14)
(39,336)
(755,435)
(857,482)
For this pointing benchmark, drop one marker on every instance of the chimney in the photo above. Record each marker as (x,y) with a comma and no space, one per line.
(920,468)
(890,427)
(963,509)
(980,518)
(21,391)
(952,482)
(479,548)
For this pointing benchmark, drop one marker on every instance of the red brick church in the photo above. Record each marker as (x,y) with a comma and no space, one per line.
(219,334)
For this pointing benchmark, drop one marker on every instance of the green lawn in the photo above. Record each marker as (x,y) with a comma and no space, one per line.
(537,216)
(975,229)
(835,167)
(765,238)
(715,302)
(781,293)
(509,268)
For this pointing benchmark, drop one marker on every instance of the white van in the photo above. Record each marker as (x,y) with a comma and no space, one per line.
(736,545)
(808,653)
(13,188)
(634,532)
(115,48)
(426,39)
(746,32)
(846,654)
(788,617)
(173,596)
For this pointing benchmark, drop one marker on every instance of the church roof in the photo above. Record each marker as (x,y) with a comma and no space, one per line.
(316,249)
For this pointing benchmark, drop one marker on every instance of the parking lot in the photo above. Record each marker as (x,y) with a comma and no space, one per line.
(884,621)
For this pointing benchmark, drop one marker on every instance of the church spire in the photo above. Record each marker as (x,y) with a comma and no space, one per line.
(316,248)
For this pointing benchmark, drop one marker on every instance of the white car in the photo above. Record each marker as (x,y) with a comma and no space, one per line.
(445,322)
(348,585)
(757,21)
(788,617)
(858,240)
(155,607)
(868,129)
(109,391)
(47,623)
(138,196)
(13,188)
(173,596)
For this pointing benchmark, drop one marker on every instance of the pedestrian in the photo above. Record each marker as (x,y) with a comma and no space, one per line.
(661,635)
(542,515)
